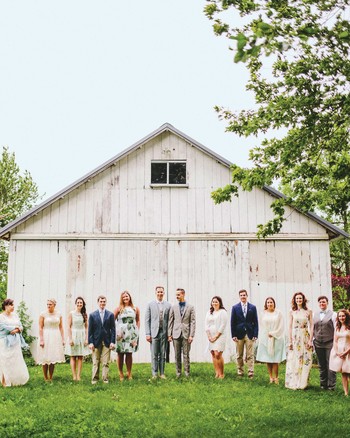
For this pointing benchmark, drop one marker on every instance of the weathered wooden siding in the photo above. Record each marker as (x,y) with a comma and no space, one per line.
(66,269)
(120,200)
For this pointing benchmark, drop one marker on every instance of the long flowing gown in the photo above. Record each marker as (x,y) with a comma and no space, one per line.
(216,323)
(336,363)
(78,337)
(127,331)
(271,349)
(13,369)
(52,352)
(299,359)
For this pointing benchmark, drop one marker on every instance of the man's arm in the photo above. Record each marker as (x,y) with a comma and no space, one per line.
(148,323)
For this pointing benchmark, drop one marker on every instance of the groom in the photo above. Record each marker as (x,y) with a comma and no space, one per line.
(101,339)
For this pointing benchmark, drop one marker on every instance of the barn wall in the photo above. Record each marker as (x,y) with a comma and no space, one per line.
(65,269)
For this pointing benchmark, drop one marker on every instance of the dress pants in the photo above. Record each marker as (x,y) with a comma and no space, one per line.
(182,346)
(327,376)
(101,354)
(158,351)
(249,346)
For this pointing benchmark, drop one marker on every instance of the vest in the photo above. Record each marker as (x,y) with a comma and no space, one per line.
(323,330)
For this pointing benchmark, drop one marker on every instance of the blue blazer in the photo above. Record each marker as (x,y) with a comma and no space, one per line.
(99,332)
(241,326)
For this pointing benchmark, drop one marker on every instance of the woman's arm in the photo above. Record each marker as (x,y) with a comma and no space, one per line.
(41,331)
(70,320)
(290,330)
(137,311)
(61,329)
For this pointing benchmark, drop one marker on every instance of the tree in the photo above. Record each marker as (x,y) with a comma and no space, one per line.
(302,106)
(18,193)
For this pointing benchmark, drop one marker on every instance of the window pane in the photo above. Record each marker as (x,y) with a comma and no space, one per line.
(158,173)
(177,173)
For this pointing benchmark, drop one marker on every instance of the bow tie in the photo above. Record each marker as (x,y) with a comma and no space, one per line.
(322,312)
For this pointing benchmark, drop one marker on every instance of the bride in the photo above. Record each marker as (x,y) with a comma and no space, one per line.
(13,370)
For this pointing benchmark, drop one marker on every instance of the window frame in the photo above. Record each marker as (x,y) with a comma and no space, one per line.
(167,184)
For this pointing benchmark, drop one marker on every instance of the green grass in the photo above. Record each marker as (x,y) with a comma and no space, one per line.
(198,407)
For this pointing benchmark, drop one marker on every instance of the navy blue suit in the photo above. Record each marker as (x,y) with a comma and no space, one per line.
(101,336)
(240,325)
(244,329)
(99,332)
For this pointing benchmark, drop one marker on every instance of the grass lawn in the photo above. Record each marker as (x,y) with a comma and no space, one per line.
(198,407)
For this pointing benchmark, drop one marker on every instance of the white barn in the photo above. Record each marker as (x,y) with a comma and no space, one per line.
(146,218)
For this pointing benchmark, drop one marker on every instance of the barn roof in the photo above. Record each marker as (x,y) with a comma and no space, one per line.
(333,231)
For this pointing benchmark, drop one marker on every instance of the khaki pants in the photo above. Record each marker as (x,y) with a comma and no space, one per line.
(102,355)
(249,347)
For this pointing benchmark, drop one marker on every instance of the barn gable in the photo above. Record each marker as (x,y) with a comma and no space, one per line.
(118,198)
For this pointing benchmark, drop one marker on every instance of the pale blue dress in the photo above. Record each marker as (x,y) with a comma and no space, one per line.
(271,349)
(78,337)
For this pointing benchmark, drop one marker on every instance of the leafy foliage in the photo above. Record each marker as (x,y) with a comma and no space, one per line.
(303,101)
(18,193)
(27,322)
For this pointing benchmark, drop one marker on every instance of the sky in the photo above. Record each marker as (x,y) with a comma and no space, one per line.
(82,80)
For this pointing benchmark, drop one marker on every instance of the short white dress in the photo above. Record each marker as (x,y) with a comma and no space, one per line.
(216,323)
(78,337)
(53,351)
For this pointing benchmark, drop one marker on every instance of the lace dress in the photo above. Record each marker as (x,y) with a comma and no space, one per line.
(13,369)
(336,363)
(52,352)
(299,360)
(78,337)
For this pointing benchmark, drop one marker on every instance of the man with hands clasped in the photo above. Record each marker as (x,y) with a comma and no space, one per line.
(101,334)
(244,330)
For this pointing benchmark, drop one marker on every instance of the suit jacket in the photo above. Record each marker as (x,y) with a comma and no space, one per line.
(152,318)
(240,325)
(184,325)
(99,332)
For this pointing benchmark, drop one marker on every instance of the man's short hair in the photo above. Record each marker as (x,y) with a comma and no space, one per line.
(101,297)
(241,291)
(322,297)
(159,287)
(179,289)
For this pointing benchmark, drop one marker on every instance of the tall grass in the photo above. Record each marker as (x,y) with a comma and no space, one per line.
(198,407)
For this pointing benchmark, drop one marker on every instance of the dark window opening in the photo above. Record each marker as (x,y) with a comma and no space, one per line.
(168,172)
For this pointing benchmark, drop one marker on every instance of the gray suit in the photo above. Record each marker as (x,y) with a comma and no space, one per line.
(180,328)
(156,326)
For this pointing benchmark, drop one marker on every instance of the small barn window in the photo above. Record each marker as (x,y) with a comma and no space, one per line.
(168,172)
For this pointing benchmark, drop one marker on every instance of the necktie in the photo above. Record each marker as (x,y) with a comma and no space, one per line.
(245,310)
(102,315)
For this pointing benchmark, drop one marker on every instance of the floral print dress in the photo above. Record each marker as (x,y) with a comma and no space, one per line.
(127,331)
(299,359)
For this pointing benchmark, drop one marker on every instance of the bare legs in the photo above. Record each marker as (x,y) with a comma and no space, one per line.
(345,382)
(128,363)
(48,370)
(272,369)
(218,362)
(76,364)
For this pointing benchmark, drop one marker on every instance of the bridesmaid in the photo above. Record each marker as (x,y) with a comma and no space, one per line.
(299,356)
(127,318)
(215,327)
(51,340)
(77,343)
(13,369)
(340,354)
(271,347)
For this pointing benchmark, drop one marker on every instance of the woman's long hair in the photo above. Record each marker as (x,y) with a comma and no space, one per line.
(220,302)
(121,303)
(83,309)
(347,319)
(294,303)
